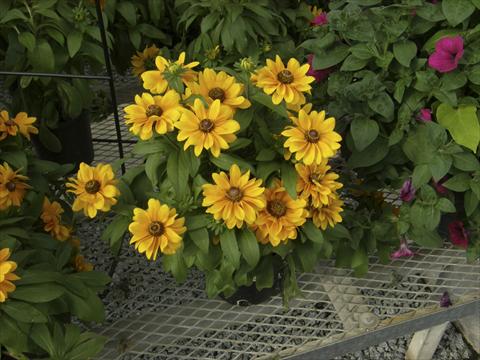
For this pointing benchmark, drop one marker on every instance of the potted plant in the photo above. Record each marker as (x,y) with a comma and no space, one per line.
(404,80)
(44,279)
(53,37)
(234,183)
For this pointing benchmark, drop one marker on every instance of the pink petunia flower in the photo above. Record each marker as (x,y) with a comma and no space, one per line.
(439,185)
(403,251)
(458,234)
(434,1)
(319,75)
(425,115)
(445,300)
(407,192)
(448,52)
(320,19)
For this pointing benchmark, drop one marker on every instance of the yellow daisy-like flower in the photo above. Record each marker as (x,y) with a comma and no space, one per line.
(155,81)
(315,183)
(315,10)
(313,138)
(51,217)
(220,86)
(12,187)
(6,274)
(144,60)
(156,228)
(279,220)
(151,113)
(94,188)
(7,126)
(21,123)
(209,128)
(328,215)
(81,265)
(284,83)
(234,198)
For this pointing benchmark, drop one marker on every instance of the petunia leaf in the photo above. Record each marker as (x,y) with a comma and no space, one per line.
(456,11)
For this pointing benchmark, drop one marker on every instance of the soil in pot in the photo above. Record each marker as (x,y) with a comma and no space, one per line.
(75,137)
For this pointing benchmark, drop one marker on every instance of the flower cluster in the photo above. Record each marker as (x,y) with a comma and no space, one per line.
(52,217)
(20,124)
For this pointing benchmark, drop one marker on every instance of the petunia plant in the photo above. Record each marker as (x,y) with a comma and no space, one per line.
(403,78)
(45,282)
(236,180)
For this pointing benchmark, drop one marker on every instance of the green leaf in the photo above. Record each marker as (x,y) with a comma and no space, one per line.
(289,178)
(177,172)
(38,293)
(264,274)
(128,11)
(445,205)
(307,254)
(329,58)
(230,249)
(426,238)
(49,139)
(352,63)
(471,202)
(27,39)
(312,232)
(373,154)
(196,222)
(440,166)
(17,159)
(462,123)
(225,162)
(404,51)
(458,183)
(152,166)
(466,161)
(421,175)
(266,155)
(382,104)
(176,265)
(74,42)
(23,312)
(201,238)
(266,100)
(249,247)
(13,14)
(42,57)
(473,74)
(456,11)
(364,132)
(42,337)
(360,261)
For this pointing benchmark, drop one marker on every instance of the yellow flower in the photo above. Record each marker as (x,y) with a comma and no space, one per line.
(211,129)
(94,188)
(312,139)
(220,86)
(155,81)
(156,228)
(75,243)
(21,123)
(6,274)
(7,126)
(316,183)
(315,11)
(151,113)
(328,214)
(213,53)
(51,217)
(81,265)
(284,83)
(279,220)
(234,198)
(144,60)
(12,187)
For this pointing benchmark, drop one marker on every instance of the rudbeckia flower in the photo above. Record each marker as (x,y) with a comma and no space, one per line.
(211,128)
(21,123)
(6,274)
(328,215)
(81,265)
(144,60)
(94,188)
(234,198)
(156,229)
(51,217)
(12,187)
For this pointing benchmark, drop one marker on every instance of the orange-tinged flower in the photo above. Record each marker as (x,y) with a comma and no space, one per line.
(156,228)
(94,188)
(234,198)
(6,274)
(287,83)
(328,215)
(279,220)
(12,187)
(21,123)
(51,217)
(313,138)
(81,265)
(144,60)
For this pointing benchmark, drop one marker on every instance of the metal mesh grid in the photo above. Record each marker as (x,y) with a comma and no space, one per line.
(171,321)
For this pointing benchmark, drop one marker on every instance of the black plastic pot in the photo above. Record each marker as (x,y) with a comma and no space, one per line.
(75,136)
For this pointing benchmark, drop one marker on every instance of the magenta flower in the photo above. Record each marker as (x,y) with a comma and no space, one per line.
(319,75)
(458,234)
(407,192)
(445,300)
(320,19)
(439,185)
(448,51)
(434,1)
(425,115)
(403,251)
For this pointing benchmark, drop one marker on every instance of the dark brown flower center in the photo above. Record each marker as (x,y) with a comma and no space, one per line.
(156,228)
(154,110)
(315,177)
(11,186)
(234,194)
(285,76)
(217,94)
(10,122)
(92,186)
(206,125)
(312,136)
(149,64)
(276,208)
